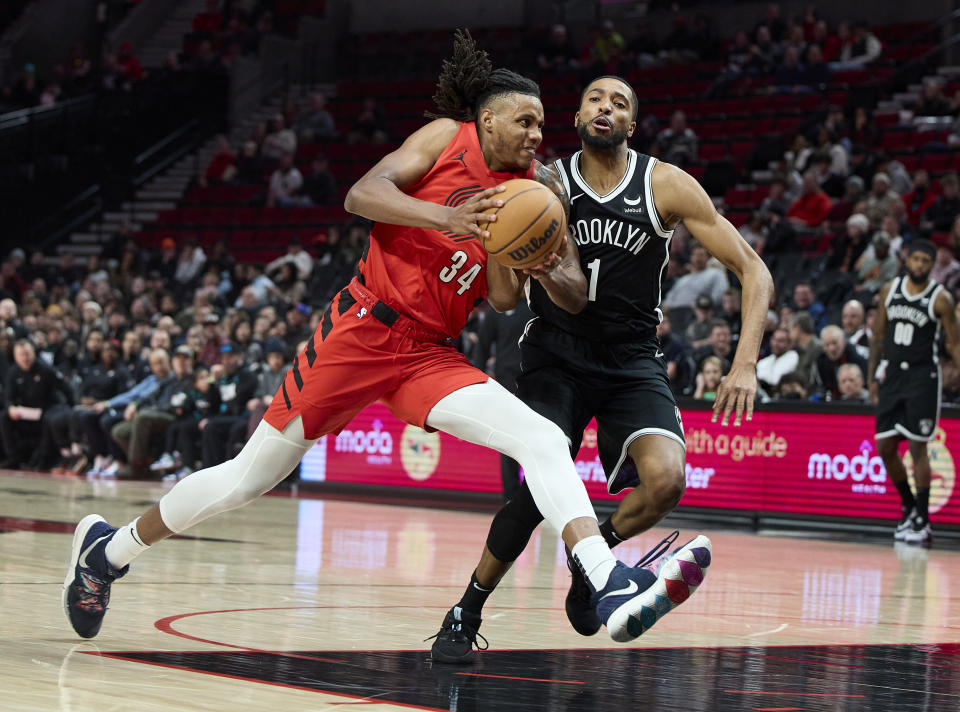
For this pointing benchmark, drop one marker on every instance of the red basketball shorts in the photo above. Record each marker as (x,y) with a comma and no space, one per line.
(363,351)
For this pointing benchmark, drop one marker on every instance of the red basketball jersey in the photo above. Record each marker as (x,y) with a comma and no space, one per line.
(436,277)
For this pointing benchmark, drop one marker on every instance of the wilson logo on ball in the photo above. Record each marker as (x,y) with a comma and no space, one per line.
(534,244)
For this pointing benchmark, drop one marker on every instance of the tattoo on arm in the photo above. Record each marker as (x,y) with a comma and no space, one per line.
(549,176)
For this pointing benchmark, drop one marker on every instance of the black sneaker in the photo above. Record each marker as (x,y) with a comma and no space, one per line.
(86,589)
(581,614)
(456,638)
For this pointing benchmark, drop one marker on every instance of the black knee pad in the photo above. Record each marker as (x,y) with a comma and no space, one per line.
(513,525)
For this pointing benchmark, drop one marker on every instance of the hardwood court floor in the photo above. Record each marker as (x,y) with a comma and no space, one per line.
(306,604)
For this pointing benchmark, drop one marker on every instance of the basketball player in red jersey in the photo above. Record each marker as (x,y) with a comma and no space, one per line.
(386,337)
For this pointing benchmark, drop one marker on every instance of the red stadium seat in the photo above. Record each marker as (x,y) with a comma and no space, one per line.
(936,162)
(940,239)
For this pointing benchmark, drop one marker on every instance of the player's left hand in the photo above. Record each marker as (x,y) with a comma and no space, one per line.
(736,393)
(552,261)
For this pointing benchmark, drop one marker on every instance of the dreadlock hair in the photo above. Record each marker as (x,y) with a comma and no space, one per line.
(468,82)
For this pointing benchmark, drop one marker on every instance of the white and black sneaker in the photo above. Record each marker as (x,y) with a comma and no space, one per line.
(919,531)
(903,526)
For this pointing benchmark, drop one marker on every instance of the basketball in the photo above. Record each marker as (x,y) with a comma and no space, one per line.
(529,226)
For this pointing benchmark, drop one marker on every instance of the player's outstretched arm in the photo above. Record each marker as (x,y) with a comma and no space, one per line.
(379,195)
(876,343)
(946,310)
(679,197)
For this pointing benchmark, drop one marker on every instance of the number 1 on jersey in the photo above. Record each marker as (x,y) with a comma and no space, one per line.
(594,268)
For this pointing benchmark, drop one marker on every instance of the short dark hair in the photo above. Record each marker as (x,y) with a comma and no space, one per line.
(794,378)
(717,321)
(633,94)
(804,322)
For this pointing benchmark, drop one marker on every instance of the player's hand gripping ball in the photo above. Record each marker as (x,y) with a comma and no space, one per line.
(529,226)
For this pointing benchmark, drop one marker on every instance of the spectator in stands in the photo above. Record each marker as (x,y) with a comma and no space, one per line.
(920,198)
(773,21)
(97,423)
(953,239)
(830,183)
(853,320)
(862,163)
(804,300)
(298,327)
(679,366)
(223,431)
(697,333)
(939,217)
(806,344)
(812,207)
(730,304)
(279,141)
(213,340)
(151,416)
(776,200)
(285,183)
(222,166)
(269,377)
(946,268)
(678,143)
(900,182)
(701,279)
(781,361)
(182,439)
(719,345)
(836,352)
(316,124)
(932,102)
(858,50)
(130,356)
(190,264)
(369,124)
(816,73)
(790,77)
(31,390)
(210,20)
(875,270)
(250,165)
(793,387)
(300,258)
(850,384)
(129,65)
(754,231)
(320,187)
(708,378)
(843,208)
(864,130)
(848,249)
(556,53)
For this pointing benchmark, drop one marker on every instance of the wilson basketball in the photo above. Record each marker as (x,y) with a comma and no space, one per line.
(529,226)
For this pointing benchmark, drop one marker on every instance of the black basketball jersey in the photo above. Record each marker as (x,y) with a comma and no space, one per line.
(624,249)
(913,328)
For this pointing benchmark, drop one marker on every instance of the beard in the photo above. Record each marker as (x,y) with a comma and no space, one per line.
(918,278)
(602,142)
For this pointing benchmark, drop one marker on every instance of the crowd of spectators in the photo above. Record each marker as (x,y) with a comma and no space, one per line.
(142,363)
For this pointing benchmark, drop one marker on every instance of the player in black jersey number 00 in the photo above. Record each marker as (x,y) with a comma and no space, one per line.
(904,378)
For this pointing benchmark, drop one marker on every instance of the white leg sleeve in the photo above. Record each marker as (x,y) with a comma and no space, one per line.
(487,414)
(268,457)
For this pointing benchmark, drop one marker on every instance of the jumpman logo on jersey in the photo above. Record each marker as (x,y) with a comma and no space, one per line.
(459,157)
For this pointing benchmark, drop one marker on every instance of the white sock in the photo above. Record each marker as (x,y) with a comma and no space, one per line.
(125,546)
(595,559)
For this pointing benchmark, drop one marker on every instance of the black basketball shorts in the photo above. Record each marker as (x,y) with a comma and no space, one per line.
(624,386)
(909,402)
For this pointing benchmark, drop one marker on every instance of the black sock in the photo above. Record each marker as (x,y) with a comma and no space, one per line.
(610,534)
(475,596)
(923,502)
(906,496)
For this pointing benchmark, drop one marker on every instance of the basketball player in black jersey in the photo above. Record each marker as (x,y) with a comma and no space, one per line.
(904,378)
(604,362)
